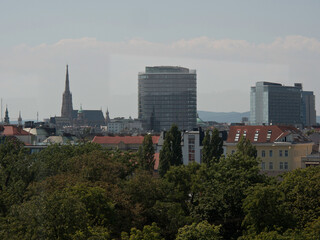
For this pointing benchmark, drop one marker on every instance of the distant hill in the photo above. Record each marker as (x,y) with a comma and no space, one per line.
(228,117)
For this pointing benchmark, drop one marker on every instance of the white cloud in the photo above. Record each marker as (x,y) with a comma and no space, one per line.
(105,73)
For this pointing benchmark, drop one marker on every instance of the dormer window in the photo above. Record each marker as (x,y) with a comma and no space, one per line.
(256,136)
(236,139)
(269,135)
(245,133)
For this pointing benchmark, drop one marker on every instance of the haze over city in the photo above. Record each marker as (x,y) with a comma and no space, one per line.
(231,44)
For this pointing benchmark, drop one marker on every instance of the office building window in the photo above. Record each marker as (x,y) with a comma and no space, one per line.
(263,165)
(270,165)
(263,153)
(270,153)
(286,165)
(280,153)
(286,153)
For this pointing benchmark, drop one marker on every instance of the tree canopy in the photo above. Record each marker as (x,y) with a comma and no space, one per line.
(87,192)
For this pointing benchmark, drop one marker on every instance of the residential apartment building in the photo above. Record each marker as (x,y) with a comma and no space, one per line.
(280,148)
(167,95)
(191,145)
(123,125)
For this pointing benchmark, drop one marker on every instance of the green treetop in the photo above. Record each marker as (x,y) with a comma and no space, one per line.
(171,153)
(147,154)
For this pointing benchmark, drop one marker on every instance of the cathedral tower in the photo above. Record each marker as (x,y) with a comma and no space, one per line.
(67,109)
(6,117)
(19,119)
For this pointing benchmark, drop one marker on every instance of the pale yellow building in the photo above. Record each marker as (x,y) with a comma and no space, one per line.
(280,148)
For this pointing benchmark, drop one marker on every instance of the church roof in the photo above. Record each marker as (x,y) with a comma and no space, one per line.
(93,116)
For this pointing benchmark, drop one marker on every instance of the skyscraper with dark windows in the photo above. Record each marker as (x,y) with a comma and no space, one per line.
(308,109)
(167,95)
(273,103)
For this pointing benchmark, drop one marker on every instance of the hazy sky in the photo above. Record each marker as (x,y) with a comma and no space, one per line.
(231,44)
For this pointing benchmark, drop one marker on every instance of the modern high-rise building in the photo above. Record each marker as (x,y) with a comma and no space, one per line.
(273,103)
(308,109)
(167,95)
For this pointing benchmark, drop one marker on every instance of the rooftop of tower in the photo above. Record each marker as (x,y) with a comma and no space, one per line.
(168,69)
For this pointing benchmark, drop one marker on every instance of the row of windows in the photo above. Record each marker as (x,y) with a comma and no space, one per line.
(191,146)
(169,76)
(281,153)
(282,166)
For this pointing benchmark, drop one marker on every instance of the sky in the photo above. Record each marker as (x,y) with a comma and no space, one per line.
(231,44)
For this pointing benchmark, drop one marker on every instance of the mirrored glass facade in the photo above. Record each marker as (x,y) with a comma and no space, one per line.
(167,95)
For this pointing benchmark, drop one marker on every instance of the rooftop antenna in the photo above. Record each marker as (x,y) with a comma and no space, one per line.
(37,116)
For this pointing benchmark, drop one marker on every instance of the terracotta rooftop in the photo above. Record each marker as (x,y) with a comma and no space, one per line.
(124,139)
(12,130)
(264,134)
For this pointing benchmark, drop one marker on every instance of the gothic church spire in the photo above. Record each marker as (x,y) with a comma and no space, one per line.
(67,88)
(67,109)
(6,117)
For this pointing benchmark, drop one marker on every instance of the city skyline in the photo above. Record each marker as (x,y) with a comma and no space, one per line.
(232,45)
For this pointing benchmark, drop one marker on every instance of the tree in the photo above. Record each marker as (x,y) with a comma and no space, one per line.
(147,154)
(222,188)
(216,144)
(245,148)
(149,232)
(302,187)
(201,231)
(16,173)
(165,157)
(171,153)
(176,145)
(206,150)
(212,146)
(266,210)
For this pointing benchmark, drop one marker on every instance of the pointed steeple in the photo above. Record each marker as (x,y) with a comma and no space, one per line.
(6,117)
(107,117)
(19,119)
(67,109)
(67,88)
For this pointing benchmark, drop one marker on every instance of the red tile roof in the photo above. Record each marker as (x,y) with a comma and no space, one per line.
(277,132)
(124,139)
(12,130)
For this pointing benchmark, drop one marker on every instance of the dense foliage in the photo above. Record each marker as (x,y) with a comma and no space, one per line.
(87,192)
(171,152)
(212,146)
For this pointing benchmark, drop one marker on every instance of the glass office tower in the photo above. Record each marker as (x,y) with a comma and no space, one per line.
(273,103)
(167,95)
(308,109)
